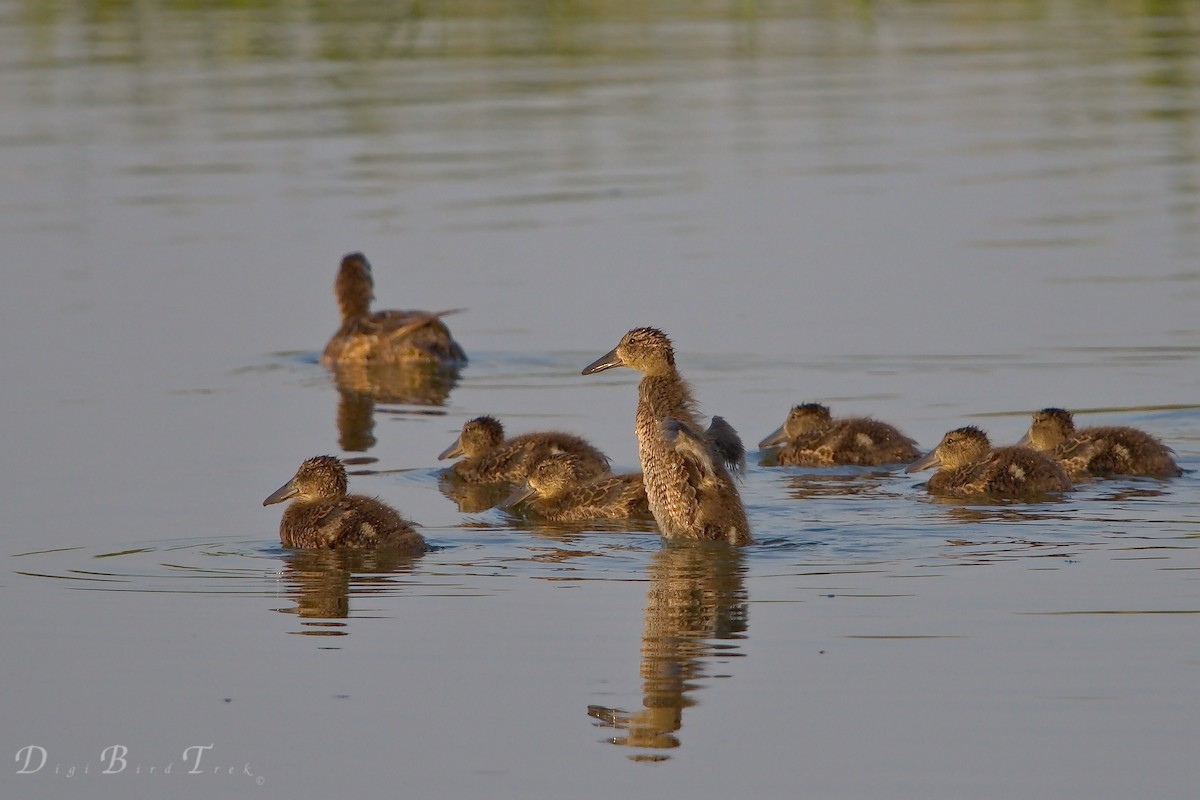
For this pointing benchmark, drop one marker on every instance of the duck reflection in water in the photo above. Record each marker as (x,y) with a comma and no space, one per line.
(362,386)
(696,612)
(322,582)
(472,498)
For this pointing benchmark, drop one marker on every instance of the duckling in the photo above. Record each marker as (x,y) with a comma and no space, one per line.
(1102,450)
(812,438)
(558,490)
(490,458)
(322,514)
(969,466)
(686,469)
(391,337)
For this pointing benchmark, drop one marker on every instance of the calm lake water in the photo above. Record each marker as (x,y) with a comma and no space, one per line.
(935,213)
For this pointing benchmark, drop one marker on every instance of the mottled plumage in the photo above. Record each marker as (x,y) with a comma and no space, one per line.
(687,477)
(489,457)
(391,337)
(970,466)
(1102,450)
(557,490)
(323,515)
(810,437)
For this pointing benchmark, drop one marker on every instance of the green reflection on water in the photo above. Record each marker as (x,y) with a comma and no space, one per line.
(372,29)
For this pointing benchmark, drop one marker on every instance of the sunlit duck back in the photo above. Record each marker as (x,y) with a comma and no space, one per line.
(1101,450)
(970,466)
(685,467)
(811,437)
(391,337)
(489,457)
(322,514)
(558,490)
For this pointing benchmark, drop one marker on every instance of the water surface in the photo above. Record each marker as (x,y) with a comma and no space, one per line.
(936,213)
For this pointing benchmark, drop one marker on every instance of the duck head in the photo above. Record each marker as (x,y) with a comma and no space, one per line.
(648,350)
(958,447)
(319,478)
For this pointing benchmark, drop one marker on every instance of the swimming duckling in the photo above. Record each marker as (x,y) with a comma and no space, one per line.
(489,457)
(1101,450)
(323,515)
(812,438)
(685,468)
(392,337)
(557,490)
(969,466)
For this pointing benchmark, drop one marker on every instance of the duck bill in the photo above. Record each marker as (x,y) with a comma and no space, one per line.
(519,495)
(606,361)
(1026,440)
(778,437)
(282,493)
(930,460)
(453,451)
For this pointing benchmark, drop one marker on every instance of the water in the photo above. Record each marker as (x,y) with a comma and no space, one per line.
(939,214)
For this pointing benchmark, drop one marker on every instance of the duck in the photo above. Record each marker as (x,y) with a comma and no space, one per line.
(971,466)
(323,515)
(811,437)
(1102,450)
(490,458)
(385,337)
(558,491)
(686,468)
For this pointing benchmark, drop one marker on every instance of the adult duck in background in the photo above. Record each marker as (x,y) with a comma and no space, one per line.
(1100,450)
(323,515)
(558,490)
(686,468)
(970,466)
(390,337)
(811,437)
(488,457)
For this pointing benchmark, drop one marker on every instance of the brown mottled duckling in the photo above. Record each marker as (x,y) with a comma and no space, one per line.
(812,438)
(686,469)
(970,466)
(323,515)
(1101,450)
(389,337)
(489,457)
(558,490)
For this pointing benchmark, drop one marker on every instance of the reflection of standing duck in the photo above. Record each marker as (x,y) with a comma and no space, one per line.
(969,466)
(1102,450)
(812,438)
(394,337)
(558,491)
(489,457)
(691,492)
(696,610)
(322,514)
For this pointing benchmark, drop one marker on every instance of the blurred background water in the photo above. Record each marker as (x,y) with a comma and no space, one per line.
(938,213)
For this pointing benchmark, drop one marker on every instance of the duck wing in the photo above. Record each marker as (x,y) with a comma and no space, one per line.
(724,441)
(694,447)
